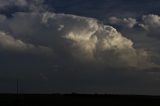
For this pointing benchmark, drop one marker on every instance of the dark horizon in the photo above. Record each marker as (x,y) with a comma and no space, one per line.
(47,100)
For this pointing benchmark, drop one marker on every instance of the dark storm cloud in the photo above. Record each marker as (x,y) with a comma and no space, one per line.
(84,39)
(57,52)
(144,28)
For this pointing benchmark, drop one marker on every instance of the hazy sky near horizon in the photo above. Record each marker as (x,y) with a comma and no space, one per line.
(83,46)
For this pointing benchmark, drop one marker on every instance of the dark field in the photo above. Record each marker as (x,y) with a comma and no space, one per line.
(76,99)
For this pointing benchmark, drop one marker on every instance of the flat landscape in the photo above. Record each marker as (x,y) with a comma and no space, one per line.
(76,99)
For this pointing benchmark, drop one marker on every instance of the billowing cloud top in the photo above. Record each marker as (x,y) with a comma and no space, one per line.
(83,38)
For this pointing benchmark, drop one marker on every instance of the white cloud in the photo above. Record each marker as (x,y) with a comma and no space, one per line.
(151,25)
(91,40)
(85,39)
(150,22)
(125,22)
(9,43)
(108,46)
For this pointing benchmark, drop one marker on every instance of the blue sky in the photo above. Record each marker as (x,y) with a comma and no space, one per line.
(103,8)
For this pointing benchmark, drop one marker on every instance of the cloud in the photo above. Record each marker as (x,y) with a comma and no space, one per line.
(82,39)
(22,5)
(145,33)
(92,40)
(150,21)
(151,24)
(9,43)
(125,22)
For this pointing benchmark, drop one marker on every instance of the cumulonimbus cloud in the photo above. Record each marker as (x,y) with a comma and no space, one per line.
(90,39)
(81,37)
(84,39)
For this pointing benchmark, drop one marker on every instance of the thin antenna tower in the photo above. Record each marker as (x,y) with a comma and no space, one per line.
(17,87)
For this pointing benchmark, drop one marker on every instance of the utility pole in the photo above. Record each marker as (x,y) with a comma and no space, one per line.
(17,87)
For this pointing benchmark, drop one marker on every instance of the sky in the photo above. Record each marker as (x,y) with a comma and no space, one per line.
(82,46)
